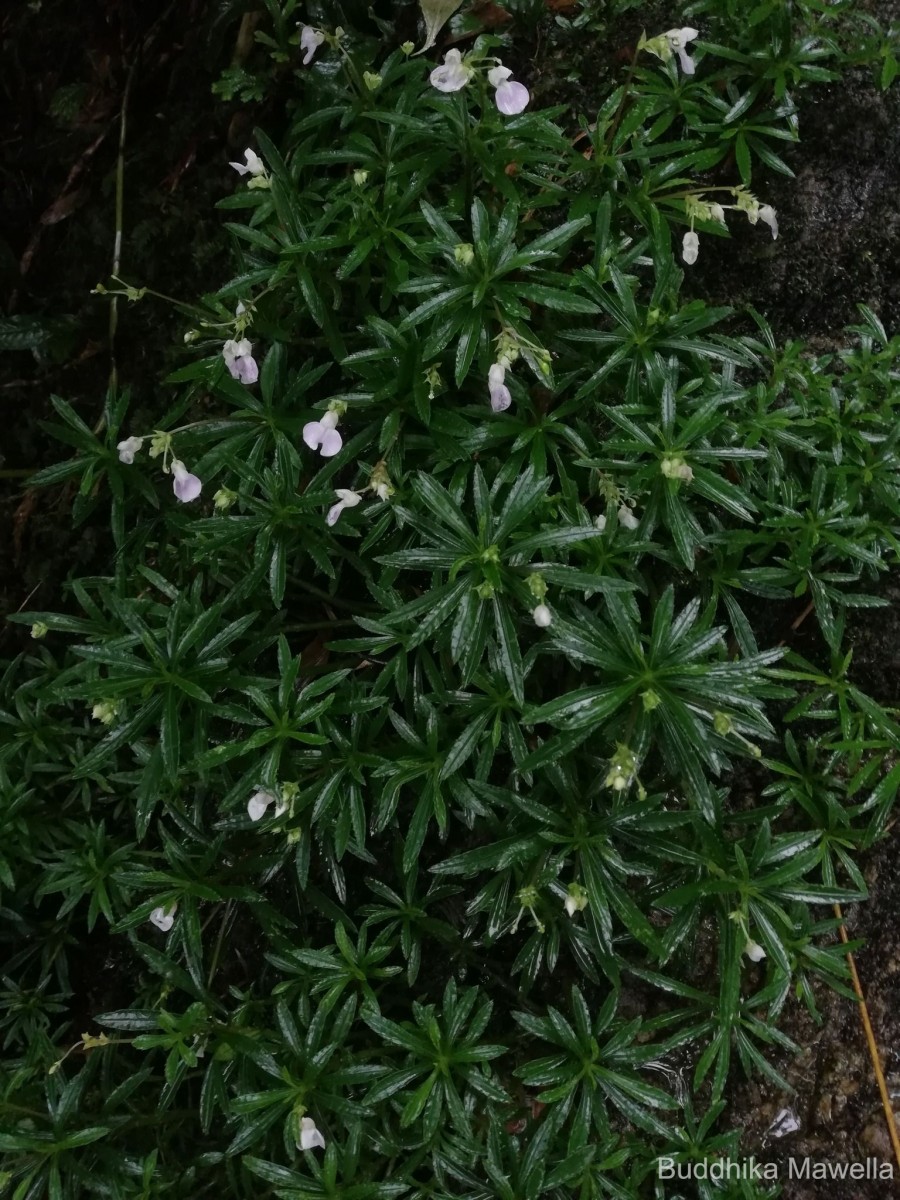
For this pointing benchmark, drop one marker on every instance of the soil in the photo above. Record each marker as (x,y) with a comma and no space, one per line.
(839,244)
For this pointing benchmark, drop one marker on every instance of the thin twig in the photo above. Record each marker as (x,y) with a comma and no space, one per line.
(870,1040)
(117,247)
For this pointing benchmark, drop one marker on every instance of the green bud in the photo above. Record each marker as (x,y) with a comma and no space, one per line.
(485,590)
(537,585)
(360,177)
(223,499)
(407,48)
(105,711)
(576,899)
(651,700)
(39,630)
(674,467)
(160,443)
(464,253)
(371,80)
(722,724)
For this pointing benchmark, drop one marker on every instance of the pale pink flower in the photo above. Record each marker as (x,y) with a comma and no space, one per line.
(186,486)
(323,436)
(163,917)
(260,801)
(510,97)
(346,499)
(678,39)
(128,449)
(453,75)
(310,40)
(240,361)
(501,397)
(310,1136)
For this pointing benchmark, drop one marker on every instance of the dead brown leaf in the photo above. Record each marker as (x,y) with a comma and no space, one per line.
(491,15)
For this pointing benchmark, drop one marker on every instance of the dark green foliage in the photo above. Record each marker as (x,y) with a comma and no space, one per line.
(489,932)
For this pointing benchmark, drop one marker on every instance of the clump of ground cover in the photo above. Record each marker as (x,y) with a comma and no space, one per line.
(389,773)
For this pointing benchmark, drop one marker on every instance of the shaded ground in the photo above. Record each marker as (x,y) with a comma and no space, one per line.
(839,222)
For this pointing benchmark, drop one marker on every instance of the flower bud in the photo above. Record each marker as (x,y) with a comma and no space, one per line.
(371,80)
(223,499)
(754,951)
(674,467)
(576,899)
(39,630)
(722,724)
(464,253)
(360,177)
(105,711)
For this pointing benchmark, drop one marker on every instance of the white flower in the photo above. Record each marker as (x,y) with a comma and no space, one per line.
(240,361)
(163,917)
(501,397)
(678,39)
(186,486)
(690,247)
(254,164)
(323,436)
(383,490)
(676,468)
(600,522)
(259,803)
(129,448)
(453,75)
(627,519)
(310,40)
(576,899)
(346,499)
(105,711)
(543,617)
(717,212)
(310,1137)
(510,97)
(754,951)
(769,217)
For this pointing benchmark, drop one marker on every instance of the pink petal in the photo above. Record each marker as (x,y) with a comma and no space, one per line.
(331,443)
(511,98)
(313,434)
(247,370)
(501,398)
(187,488)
